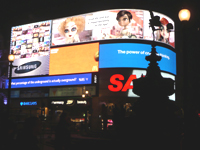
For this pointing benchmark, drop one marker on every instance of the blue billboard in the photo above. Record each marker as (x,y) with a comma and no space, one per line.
(132,55)
(77,79)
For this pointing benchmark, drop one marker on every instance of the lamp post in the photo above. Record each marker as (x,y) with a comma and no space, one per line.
(11,58)
(184,17)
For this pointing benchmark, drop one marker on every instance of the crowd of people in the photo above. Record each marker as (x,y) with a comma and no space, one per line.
(169,132)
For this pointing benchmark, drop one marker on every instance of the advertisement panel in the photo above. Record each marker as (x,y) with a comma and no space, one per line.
(30,44)
(74,59)
(163,35)
(118,82)
(76,79)
(31,66)
(110,24)
(132,55)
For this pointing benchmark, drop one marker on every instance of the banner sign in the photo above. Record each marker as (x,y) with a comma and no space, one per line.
(76,79)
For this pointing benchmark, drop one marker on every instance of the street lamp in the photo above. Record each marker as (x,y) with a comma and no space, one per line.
(11,58)
(184,15)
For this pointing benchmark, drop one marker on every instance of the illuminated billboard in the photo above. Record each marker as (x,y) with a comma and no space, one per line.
(74,48)
(76,79)
(74,59)
(119,82)
(30,44)
(110,24)
(132,55)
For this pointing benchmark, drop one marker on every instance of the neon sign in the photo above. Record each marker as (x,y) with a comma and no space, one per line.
(28,103)
(81,102)
(58,102)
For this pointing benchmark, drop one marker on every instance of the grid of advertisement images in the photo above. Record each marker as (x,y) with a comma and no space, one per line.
(31,40)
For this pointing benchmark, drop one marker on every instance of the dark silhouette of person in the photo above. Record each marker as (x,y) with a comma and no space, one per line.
(104,116)
(116,117)
(27,138)
(62,133)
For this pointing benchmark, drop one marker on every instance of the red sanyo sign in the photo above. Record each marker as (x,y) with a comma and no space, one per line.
(116,80)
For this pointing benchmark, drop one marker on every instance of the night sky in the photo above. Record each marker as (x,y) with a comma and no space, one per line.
(13,13)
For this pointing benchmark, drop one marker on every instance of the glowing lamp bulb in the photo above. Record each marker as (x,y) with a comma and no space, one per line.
(184,15)
(11,57)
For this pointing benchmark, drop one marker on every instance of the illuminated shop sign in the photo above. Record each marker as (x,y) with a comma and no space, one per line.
(70,102)
(132,55)
(28,103)
(81,102)
(77,79)
(58,102)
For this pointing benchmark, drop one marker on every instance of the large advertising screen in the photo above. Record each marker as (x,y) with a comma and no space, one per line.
(80,45)
(74,59)
(30,44)
(76,79)
(110,24)
(119,82)
(132,55)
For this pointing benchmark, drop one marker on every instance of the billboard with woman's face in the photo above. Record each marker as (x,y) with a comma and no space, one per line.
(110,24)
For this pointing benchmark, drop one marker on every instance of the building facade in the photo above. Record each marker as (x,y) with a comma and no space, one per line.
(100,52)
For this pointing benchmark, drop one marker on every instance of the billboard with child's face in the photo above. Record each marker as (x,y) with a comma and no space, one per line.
(110,24)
